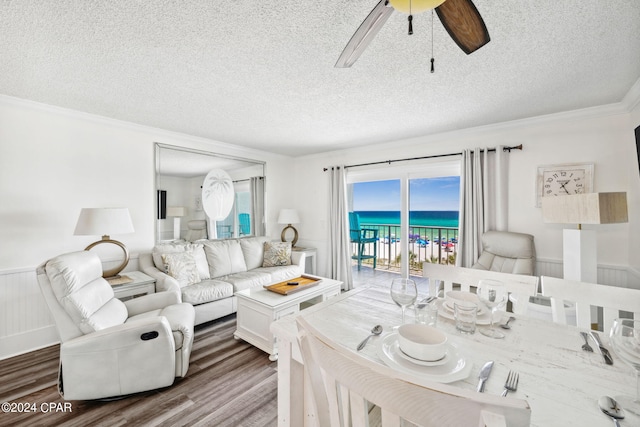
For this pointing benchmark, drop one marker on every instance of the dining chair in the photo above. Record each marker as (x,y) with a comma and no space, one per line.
(519,285)
(352,390)
(612,300)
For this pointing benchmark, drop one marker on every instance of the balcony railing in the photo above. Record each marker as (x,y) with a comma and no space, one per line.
(433,244)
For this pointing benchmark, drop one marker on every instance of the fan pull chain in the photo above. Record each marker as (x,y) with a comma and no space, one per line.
(410,18)
(433,68)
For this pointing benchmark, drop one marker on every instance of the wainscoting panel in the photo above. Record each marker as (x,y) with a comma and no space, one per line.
(612,275)
(25,321)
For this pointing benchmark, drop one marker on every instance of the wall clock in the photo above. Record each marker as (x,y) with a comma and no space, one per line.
(562,180)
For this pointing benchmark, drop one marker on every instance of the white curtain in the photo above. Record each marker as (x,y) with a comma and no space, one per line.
(339,245)
(483,200)
(256,188)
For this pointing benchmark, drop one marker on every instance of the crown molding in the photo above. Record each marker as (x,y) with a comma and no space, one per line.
(632,99)
(158,133)
(564,116)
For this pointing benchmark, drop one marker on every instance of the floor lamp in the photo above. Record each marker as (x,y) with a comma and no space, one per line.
(579,250)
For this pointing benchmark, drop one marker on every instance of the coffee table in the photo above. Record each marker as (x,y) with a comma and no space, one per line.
(258,308)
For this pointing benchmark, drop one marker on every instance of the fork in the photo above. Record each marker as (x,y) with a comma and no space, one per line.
(586,346)
(511,384)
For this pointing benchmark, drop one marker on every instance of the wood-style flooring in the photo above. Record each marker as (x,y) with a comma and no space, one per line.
(229,383)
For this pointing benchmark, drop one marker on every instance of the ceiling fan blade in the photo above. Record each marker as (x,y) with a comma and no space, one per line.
(464,24)
(364,34)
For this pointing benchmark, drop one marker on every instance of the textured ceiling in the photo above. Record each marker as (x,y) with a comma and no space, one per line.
(260,73)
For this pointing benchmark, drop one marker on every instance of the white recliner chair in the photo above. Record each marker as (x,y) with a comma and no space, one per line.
(197,229)
(507,252)
(108,347)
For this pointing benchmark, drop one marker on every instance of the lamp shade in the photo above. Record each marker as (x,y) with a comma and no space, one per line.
(176,211)
(288,216)
(586,208)
(415,6)
(103,221)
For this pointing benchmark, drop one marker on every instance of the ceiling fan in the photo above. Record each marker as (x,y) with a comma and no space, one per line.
(460,18)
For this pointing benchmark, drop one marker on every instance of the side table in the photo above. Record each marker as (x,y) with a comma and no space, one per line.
(309,254)
(141,284)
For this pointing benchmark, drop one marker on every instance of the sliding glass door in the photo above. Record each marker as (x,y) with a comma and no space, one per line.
(414,211)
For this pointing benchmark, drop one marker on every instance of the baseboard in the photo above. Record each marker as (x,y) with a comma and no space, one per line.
(25,342)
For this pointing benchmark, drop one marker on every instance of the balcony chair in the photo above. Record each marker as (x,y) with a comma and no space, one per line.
(244,227)
(352,390)
(361,237)
(507,252)
(108,347)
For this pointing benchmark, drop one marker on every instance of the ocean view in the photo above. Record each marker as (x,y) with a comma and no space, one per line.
(434,219)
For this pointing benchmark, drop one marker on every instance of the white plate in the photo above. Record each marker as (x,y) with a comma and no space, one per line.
(455,368)
(484,317)
(438,362)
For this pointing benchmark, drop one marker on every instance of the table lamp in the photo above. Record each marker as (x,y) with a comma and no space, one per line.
(289,216)
(176,212)
(580,246)
(105,221)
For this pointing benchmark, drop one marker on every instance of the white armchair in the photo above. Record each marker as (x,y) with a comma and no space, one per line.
(507,252)
(109,347)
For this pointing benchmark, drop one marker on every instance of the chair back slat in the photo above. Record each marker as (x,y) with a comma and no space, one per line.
(520,285)
(394,393)
(612,299)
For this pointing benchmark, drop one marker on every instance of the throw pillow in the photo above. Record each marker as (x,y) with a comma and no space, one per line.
(197,251)
(182,267)
(277,254)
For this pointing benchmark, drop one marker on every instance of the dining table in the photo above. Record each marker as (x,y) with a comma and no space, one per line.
(560,381)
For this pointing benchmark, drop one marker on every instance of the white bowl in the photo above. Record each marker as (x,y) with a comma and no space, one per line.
(422,342)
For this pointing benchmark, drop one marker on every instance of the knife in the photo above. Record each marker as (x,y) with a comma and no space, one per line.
(603,351)
(484,374)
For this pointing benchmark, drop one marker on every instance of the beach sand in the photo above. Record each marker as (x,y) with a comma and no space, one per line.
(390,251)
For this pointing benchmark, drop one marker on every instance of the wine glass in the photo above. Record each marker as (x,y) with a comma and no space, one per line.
(404,292)
(493,294)
(625,341)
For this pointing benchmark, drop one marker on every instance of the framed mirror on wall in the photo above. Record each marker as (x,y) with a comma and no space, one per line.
(201,194)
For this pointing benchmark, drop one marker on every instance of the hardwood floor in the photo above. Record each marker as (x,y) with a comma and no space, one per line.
(229,383)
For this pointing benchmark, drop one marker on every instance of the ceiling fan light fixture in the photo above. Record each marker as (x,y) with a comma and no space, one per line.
(415,6)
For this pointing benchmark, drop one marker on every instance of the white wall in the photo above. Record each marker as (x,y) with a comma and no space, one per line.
(53,162)
(601,136)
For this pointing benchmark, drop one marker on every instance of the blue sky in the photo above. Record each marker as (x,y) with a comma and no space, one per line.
(427,194)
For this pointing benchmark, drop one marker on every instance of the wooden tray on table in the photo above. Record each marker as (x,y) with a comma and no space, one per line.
(304,282)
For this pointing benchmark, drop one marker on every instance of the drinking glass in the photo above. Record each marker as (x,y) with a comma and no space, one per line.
(625,341)
(493,294)
(465,314)
(404,292)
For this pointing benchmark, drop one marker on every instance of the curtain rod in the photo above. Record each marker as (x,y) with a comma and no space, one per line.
(247,179)
(490,150)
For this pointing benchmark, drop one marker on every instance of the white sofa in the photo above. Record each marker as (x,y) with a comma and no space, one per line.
(212,271)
